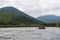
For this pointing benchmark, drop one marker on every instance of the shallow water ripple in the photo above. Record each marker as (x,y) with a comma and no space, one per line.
(29,33)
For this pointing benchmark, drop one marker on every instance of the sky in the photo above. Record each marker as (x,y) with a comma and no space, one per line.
(34,8)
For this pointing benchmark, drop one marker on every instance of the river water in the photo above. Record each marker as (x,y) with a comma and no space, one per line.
(29,33)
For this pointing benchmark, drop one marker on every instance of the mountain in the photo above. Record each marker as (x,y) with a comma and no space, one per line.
(11,15)
(49,18)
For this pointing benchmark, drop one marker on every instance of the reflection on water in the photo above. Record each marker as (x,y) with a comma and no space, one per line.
(29,33)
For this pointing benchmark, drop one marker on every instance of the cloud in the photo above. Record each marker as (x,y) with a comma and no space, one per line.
(35,8)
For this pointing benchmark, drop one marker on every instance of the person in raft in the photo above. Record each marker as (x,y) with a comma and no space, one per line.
(42,27)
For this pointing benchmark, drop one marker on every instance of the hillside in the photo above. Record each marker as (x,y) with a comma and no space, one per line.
(13,16)
(49,18)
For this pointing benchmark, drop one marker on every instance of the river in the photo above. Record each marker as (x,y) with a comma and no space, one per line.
(29,33)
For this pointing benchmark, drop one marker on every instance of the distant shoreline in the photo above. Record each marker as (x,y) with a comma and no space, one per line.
(3,26)
(16,26)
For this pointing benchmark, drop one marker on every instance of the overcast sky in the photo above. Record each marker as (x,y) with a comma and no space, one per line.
(34,8)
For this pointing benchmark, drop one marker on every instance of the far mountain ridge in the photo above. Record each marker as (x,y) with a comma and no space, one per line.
(49,18)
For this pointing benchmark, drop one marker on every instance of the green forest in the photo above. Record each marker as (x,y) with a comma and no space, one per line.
(9,19)
(58,23)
